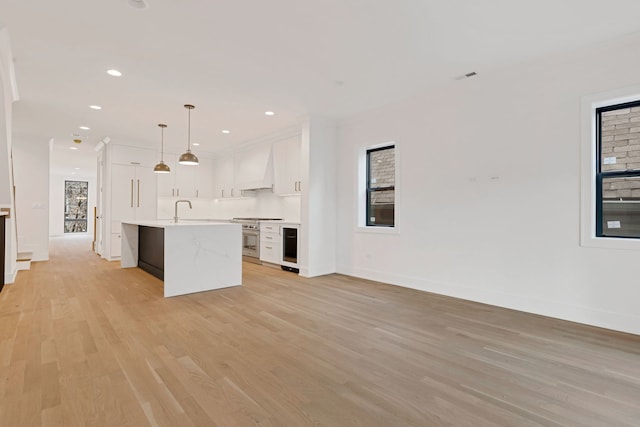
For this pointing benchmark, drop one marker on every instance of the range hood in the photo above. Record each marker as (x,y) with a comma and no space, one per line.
(254,168)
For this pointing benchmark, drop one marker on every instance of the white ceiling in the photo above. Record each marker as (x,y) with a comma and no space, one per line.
(236,59)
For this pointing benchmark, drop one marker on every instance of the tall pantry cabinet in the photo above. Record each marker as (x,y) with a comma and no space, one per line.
(128,193)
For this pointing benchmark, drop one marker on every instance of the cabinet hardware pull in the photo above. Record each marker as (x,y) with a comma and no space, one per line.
(173,192)
(295,185)
(232,192)
(196,193)
(138,193)
(268,247)
(131,193)
(222,193)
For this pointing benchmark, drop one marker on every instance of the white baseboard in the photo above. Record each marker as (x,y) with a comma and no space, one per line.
(590,316)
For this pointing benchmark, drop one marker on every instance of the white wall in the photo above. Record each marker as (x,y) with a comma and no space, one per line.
(56,201)
(31,175)
(489,206)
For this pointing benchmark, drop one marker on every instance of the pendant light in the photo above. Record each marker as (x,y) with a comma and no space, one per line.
(162,167)
(188,158)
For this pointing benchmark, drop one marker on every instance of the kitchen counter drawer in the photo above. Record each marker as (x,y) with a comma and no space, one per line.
(270,252)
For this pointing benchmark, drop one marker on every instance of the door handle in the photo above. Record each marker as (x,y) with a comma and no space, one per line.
(138,193)
(131,193)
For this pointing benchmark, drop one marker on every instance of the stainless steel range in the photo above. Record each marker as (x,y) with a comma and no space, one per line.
(251,237)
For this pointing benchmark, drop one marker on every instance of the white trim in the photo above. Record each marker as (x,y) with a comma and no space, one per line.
(361,182)
(588,174)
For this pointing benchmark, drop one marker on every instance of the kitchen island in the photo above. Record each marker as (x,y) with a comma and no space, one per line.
(191,256)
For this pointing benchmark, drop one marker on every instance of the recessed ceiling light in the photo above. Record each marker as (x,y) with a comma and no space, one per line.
(84,127)
(77,169)
(95,107)
(73,148)
(114,73)
(269,113)
(73,173)
(196,143)
(226,131)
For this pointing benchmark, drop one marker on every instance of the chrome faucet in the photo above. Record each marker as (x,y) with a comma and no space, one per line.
(175,217)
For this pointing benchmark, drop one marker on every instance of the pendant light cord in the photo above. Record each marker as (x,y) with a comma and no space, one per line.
(162,144)
(189,132)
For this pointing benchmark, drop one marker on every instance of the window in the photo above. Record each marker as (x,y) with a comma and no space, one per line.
(618,170)
(75,206)
(380,190)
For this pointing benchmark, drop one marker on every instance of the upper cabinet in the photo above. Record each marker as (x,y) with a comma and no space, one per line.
(223,177)
(286,166)
(167,181)
(267,166)
(187,181)
(254,168)
(127,155)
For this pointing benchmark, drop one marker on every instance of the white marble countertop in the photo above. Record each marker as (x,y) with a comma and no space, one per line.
(281,222)
(165,223)
(4,213)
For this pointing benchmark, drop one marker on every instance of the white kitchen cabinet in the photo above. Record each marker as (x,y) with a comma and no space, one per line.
(286,167)
(187,181)
(167,181)
(127,155)
(223,177)
(133,197)
(253,167)
(133,194)
(116,245)
(270,243)
(204,179)
(128,191)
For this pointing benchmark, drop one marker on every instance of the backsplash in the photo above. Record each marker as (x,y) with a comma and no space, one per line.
(263,204)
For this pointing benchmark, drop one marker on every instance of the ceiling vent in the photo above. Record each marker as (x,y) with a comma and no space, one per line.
(466,76)
(138,4)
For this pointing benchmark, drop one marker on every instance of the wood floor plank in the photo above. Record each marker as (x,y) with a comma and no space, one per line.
(86,343)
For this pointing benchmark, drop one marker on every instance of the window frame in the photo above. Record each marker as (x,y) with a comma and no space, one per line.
(370,190)
(588,161)
(600,175)
(360,180)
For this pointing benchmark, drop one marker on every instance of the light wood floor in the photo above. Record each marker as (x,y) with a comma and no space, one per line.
(83,342)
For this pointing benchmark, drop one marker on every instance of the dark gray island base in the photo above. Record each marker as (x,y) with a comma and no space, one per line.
(151,250)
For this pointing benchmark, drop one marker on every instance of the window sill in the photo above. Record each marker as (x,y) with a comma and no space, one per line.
(377,230)
(611,243)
